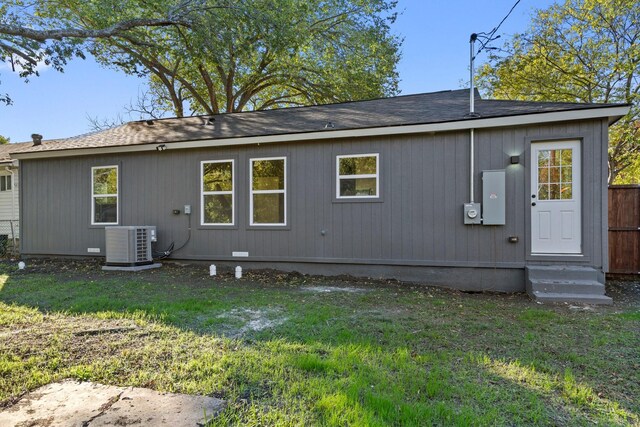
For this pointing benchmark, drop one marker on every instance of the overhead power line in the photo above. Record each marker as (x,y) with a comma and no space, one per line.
(486,38)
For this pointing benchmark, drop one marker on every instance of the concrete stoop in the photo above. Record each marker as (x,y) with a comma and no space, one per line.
(87,404)
(564,283)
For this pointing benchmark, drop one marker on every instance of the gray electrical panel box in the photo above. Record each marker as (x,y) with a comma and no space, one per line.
(493,197)
(472,213)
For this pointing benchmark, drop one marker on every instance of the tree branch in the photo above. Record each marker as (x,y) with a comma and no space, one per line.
(82,33)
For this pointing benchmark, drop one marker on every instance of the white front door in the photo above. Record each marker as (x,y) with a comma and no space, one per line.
(555,198)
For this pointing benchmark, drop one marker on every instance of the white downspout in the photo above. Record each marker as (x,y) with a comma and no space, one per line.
(13,193)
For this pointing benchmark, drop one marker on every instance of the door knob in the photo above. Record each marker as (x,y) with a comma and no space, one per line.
(533,203)
(533,196)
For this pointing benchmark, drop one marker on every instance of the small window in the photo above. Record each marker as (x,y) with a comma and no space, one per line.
(268,191)
(555,179)
(104,195)
(217,182)
(357,176)
(5,183)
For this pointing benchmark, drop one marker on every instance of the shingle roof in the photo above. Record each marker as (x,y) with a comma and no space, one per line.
(17,147)
(435,107)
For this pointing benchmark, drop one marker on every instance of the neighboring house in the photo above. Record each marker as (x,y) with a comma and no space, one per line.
(9,194)
(378,188)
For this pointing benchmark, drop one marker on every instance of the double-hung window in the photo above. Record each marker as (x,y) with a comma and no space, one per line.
(104,195)
(5,183)
(217,186)
(358,176)
(268,186)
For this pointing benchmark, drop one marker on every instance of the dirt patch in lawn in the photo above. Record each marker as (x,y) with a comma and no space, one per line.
(250,320)
(625,292)
(328,289)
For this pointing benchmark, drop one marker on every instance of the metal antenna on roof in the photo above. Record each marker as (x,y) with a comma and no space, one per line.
(485,39)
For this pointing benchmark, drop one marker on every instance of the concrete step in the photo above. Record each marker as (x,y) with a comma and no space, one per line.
(562,272)
(555,297)
(566,286)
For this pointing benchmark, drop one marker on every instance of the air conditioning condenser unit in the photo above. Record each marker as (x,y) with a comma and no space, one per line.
(129,245)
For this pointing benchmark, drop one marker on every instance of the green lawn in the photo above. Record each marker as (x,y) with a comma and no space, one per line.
(297,350)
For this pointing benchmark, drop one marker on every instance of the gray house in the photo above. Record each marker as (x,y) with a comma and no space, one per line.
(411,187)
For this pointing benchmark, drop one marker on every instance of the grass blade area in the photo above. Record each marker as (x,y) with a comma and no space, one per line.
(286,349)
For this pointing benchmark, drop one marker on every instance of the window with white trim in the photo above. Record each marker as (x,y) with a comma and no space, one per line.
(357,176)
(217,180)
(268,186)
(5,183)
(104,195)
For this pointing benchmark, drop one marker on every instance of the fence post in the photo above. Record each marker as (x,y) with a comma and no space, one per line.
(13,237)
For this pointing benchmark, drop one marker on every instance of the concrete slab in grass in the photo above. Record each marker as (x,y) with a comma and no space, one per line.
(72,403)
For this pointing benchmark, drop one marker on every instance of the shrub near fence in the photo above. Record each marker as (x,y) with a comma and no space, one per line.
(9,237)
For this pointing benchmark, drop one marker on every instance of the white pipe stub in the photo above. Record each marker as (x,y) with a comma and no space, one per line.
(21,265)
(212,270)
(238,272)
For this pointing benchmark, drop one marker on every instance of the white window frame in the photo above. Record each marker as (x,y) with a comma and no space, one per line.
(252,192)
(215,193)
(369,175)
(6,178)
(94,196)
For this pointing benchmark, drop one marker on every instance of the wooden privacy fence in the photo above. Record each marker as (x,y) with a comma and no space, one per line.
(624,229)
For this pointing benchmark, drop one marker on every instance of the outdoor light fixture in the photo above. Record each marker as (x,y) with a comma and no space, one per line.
(515,160)
(161,147)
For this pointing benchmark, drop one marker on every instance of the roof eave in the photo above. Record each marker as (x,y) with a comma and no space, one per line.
(614,113)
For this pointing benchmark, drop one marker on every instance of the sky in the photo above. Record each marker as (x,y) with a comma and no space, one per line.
(435,56)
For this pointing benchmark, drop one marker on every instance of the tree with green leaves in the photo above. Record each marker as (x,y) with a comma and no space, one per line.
(4,140)
(236,55)
(30,35)
(261,54)
(578,51)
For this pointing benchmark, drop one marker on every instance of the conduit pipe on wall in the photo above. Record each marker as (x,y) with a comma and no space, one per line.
(471,165)
(472,113)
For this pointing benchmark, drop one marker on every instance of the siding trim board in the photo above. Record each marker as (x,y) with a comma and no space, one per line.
(480,123)
(298,260)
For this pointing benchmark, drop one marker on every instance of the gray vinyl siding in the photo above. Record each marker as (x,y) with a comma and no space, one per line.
(417,221)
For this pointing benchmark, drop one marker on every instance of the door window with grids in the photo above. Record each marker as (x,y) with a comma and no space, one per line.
(555,174)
